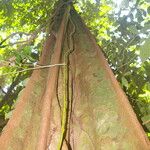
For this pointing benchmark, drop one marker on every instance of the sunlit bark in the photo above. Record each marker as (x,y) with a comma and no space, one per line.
(100,116)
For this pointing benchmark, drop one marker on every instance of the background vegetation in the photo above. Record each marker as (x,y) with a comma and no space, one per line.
(122,29)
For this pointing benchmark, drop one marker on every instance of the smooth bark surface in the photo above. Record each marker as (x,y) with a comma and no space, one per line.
(100,116)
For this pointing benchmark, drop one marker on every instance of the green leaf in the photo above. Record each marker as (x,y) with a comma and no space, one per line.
(148,10)
(146,27)
(8,115)
(124,82)
(133,29)
(139,15)
(145,50)
(145,119)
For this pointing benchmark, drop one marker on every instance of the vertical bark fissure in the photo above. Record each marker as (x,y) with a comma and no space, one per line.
(92,118)
(67,91)
(51,84)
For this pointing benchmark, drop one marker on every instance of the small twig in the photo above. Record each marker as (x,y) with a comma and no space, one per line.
(35,68)
(146,122)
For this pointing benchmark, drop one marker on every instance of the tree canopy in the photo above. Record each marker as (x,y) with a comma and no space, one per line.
(121,28)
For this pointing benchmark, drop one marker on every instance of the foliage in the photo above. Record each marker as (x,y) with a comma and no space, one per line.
(122,30)
(145,50)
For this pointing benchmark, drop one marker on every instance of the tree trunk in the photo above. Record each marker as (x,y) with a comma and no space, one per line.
(99,116)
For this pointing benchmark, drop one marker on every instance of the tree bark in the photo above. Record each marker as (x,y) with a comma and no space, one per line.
(100,116)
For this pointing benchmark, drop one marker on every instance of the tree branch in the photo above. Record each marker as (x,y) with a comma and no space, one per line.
(13,34)
(28,41)
(35,68)
(146,122)
(6,99)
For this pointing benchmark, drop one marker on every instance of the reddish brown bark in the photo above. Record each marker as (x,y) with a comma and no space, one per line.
(51,85)
(10,138)
(101,117)
(125,109)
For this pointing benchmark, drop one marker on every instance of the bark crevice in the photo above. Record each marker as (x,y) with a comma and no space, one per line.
(99,114)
